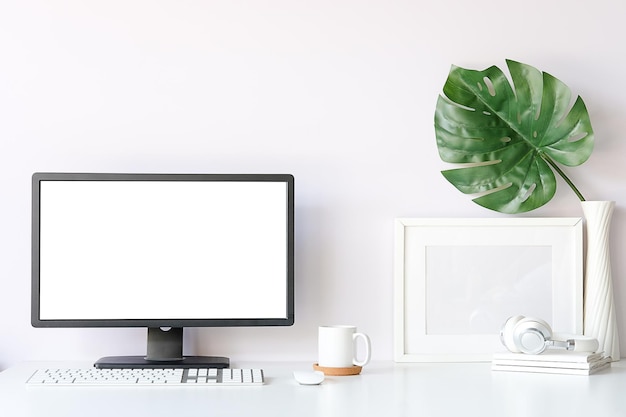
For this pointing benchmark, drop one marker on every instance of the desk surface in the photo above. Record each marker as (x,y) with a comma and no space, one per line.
(383,389)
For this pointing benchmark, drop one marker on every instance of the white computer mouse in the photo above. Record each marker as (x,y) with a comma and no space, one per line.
(309,377)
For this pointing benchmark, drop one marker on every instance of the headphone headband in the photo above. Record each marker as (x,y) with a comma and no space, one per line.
(576,343)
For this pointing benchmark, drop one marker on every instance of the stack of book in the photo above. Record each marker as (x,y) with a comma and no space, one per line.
(552,361)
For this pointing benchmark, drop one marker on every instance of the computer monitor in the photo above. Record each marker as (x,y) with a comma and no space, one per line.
(162,251)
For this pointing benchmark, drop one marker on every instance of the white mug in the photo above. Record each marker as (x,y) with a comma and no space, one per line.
(337,347)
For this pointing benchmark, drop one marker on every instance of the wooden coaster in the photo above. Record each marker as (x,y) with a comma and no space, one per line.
(351,370)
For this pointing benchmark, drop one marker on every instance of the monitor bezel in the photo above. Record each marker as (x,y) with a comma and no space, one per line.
(40,177)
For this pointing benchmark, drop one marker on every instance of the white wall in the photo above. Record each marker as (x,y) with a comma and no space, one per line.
(339,93)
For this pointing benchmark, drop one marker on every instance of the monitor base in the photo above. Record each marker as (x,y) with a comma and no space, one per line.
(109,362)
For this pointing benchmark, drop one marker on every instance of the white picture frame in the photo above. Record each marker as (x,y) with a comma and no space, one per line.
(456,281)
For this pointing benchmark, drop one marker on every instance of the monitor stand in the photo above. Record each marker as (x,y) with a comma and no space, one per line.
(165,350)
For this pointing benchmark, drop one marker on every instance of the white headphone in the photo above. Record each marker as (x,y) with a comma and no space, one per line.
(532,336)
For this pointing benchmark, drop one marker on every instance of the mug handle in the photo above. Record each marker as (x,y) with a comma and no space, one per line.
(368,349)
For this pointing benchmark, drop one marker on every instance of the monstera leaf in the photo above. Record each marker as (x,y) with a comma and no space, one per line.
(510,139)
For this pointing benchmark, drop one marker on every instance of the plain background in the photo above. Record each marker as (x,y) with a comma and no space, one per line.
(339,93)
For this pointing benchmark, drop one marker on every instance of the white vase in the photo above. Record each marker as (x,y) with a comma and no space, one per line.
(600,319)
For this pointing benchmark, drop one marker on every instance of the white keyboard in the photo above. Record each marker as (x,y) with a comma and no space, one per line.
(147,377)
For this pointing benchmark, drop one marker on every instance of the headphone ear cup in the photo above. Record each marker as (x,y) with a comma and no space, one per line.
(507,334)
(531,334)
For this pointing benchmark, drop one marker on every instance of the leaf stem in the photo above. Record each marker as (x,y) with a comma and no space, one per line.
(562,174)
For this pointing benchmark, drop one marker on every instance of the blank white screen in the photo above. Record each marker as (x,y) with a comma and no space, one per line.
(163,250)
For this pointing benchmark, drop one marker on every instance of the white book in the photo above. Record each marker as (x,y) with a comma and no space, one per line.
(553,364)
(548,370)
(551,356)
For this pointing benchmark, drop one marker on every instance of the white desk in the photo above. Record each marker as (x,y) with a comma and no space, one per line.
(384,389)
